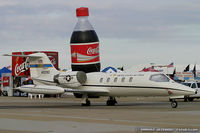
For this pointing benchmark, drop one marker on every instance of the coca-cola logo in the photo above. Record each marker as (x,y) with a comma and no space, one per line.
(91,50)
(22,67)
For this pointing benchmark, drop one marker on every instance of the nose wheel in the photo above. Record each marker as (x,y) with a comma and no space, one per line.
(174,104)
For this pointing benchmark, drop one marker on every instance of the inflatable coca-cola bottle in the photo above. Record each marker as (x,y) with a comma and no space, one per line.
(84,44)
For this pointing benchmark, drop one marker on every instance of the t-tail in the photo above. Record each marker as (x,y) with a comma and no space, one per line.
(42,70)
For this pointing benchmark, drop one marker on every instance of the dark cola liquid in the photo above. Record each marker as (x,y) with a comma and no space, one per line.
(87,68)
(85,37)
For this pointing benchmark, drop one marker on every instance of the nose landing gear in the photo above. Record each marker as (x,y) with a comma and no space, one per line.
(174,104)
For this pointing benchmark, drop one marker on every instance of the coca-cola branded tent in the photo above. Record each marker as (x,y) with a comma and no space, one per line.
(4,70)
(4,80)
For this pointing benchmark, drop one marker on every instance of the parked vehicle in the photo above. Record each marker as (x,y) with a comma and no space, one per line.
(195,86)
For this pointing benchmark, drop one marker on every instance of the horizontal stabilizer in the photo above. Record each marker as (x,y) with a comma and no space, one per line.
(42,71)
(41,89)
(33,56)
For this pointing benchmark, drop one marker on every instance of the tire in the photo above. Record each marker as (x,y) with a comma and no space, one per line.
(110,103)
(190,99)
(87,103)
(174,104)
(185,100)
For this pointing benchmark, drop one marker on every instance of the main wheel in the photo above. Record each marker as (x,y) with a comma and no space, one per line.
(110,103)
(190,99)
(174,104)
(87,103)
(185,99)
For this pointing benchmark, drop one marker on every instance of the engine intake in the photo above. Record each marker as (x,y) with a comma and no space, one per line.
(81,77)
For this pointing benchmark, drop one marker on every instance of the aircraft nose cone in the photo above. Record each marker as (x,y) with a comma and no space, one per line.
(187,90)
(192,92)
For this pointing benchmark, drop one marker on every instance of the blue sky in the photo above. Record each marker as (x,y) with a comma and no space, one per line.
(131,32)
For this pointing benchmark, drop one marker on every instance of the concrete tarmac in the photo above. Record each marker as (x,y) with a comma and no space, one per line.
(65,115)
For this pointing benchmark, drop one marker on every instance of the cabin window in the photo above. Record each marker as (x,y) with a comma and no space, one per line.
(159,78)
(115,79)
(101,80)
(131,79)
(108,79)
(123,79)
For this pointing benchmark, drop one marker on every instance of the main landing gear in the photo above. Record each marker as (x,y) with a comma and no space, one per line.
(174,103)
(111,101)
(188,99)
(85,101)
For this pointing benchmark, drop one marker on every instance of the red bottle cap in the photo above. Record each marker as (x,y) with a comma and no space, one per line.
(82,11)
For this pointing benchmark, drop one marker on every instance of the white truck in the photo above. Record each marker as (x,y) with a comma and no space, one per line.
(194,85)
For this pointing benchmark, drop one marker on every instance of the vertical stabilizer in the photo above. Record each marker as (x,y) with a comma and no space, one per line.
(41,68)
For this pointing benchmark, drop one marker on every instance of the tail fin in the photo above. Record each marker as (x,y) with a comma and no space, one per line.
(41,67)
(42,70)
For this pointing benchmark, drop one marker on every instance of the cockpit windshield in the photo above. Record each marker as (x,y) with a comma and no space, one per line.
(186,84)
(159,78)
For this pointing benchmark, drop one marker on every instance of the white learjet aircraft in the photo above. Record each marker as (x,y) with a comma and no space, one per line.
(48,80)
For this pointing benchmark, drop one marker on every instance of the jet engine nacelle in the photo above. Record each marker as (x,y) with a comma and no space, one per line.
(71,79)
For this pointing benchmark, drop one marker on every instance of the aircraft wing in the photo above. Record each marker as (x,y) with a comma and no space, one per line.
(96,91)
